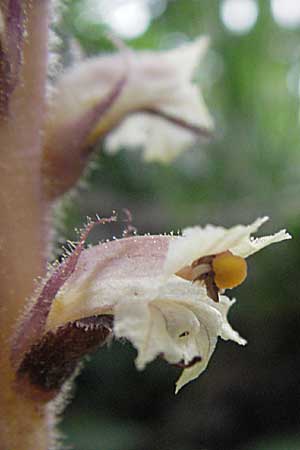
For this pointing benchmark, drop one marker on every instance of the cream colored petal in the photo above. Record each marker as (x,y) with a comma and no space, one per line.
(176,325)
(207,343)
(170,317)
(211,327)
(250,246)
(165,327)
(215,316)
(183,328)
(172,94)
(134,321)
(145,327)
(227,332)
(160,140)
(188,55)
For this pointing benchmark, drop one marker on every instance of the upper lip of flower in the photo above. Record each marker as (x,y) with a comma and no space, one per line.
(215,255)
(197,242)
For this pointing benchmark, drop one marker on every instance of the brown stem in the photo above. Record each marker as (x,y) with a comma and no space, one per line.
(23,421)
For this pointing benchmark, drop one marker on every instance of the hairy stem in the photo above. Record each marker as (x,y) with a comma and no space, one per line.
(23,233)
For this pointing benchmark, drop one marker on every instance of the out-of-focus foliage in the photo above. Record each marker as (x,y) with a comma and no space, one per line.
(248,398)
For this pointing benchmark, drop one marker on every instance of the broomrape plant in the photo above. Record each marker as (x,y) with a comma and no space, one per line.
(165,294)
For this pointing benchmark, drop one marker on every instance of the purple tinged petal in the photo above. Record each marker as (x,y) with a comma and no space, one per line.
(118,263)
(46,357)
(67,149)
(33,326)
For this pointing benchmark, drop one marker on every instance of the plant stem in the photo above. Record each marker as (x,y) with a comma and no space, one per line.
(23,228)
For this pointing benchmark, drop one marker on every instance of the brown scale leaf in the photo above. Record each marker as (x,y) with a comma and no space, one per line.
(52,361)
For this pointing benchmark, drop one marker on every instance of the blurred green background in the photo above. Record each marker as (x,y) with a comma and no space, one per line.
(249,398)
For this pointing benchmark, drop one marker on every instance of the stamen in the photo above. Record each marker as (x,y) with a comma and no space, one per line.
(217,272)
(230,270)
(200,270)
(211,287)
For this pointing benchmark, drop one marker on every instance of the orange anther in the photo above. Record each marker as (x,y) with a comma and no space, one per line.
(230,270)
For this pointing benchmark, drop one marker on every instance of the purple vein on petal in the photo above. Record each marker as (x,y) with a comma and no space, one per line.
(33,325)
(201,131)
(86,124)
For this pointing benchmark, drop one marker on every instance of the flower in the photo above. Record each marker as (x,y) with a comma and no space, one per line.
(174,99)
(92,98)
(170,317)
(138,281)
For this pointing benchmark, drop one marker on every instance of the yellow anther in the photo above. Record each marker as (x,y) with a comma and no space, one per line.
(230,270)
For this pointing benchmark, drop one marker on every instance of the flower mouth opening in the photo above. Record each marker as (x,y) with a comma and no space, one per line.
(182,364)
(217,272)
(187,365)
(184,334)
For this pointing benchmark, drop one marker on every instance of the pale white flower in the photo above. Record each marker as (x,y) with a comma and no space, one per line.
(154,80)
(173,96)
(153,90)
(161,312)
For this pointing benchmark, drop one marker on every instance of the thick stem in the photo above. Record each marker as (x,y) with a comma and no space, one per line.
(23,421)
